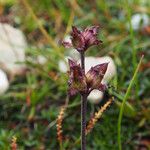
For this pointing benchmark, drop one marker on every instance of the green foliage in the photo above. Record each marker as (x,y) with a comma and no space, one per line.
(30,107)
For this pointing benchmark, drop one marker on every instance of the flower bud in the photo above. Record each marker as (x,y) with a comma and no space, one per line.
(95,75)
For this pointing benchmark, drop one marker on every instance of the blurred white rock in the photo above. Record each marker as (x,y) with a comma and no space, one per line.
(74,54)
(62,65)
(92,61)
(71,51)
(12,49)
(41,59)
(4,83)
(139,20)
(96,95)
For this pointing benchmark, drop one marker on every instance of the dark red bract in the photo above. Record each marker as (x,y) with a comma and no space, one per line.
(79,82)
(95,75)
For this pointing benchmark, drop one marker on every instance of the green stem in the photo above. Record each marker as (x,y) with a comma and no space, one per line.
(132,38)
(124,101)
(61,146)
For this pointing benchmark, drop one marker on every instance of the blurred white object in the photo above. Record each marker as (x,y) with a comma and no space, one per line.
(41,59)
(96,95)
(12,49)
(143,2)
(71,51)
(74,54)
(139,20)
(62,65)
(4,83)
(92,61)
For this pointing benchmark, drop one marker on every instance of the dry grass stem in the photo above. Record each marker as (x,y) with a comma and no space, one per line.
(14,143)
(97,116)
(59,124)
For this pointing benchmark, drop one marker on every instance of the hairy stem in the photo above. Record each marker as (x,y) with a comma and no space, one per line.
(82,61)
(83,109)
(83,122)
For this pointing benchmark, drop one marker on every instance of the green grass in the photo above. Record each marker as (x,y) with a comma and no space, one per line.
(45,24)
(124,101)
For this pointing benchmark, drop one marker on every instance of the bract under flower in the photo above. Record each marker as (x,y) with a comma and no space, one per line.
(95,75)
(77,79)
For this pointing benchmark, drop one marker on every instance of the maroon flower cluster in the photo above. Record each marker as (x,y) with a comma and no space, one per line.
(78,80)
(82,40)
(85,83)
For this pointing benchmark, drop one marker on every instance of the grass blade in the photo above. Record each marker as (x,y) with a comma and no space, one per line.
(124,101)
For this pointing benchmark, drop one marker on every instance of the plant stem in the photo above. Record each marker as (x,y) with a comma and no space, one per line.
(83,109)
(83,121)
(82,61)
(61,146)
(124,101)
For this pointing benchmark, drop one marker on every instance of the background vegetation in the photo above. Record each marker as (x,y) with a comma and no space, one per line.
(30,107)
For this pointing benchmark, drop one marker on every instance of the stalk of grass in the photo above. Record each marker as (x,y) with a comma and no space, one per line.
(124,101)
(44,32)
(75,6)
(132,38)
(134,59)
(59,126)
(14,143)
(70,22)
(97,116)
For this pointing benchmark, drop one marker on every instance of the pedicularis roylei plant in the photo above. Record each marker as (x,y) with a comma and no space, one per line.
(82,83)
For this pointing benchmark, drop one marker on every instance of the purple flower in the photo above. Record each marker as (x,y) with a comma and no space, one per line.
(95,75)
(77,79)
(82,40)
(90,36)
(79,82)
